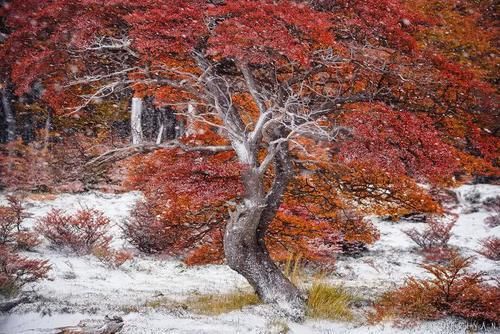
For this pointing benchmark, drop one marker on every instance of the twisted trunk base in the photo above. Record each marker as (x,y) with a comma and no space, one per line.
(247,254)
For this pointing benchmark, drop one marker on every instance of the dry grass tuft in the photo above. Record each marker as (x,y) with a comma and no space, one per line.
(224,303)
(329,302)
(294,269)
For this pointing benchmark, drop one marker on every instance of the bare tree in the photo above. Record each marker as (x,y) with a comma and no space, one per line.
(287,110)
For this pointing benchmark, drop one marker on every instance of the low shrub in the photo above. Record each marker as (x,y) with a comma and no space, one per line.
(26,240)
(11,231)
(491,248)
(145,231)
(17,205)
(16,271)
(451,291)
(329,302)
(492,221)
(492,204)
(81,232)
(7,225)
(435,235)
(473,197)
(112,258)
(439,254)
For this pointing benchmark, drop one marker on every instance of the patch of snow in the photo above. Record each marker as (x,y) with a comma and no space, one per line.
(80,287)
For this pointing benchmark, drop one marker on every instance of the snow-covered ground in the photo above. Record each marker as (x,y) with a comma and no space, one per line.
(82,288)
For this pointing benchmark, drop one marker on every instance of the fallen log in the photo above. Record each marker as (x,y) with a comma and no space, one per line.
(111,325)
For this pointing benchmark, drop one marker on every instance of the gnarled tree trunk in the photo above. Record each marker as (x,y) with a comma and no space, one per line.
(244,244)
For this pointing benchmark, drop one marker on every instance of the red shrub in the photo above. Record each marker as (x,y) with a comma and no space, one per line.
(7,225)
(26,240)
(439,254)
(25,167)
(81,232)
(146,231)
(451,291)
(17,206)
(491,248)
(436,234)
(16,271)
(112,258)
(11,232)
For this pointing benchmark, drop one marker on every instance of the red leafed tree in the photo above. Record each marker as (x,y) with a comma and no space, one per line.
(324,105)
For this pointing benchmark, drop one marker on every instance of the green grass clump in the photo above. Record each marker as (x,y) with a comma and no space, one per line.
(219,304)
(329,302)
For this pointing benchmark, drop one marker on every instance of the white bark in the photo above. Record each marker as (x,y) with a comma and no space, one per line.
(135,121)
(160,134)
(10,117)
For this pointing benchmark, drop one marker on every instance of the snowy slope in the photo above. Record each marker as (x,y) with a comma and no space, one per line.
(82,288)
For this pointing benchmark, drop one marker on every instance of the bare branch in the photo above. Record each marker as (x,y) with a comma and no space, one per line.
(129,151)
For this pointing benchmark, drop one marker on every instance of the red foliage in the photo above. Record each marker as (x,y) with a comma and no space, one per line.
(451,291)
(112,258)
(263,31)
(147,232)
(16,271)
(186,182)
(26,240)
(81,232)
(17,206)
(23,167)
(295,231)
(166,26)
(7,225)
(186,200)
(386,22)
(491,248)
(436,234)
(401,143)
(185,212)
(11,231)
(439,254)
(48,25)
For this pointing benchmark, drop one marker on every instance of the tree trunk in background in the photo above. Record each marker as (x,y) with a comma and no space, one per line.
(48,126)
(159,138)
(135,121)
(166,125)
(10,117)
(170,123)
